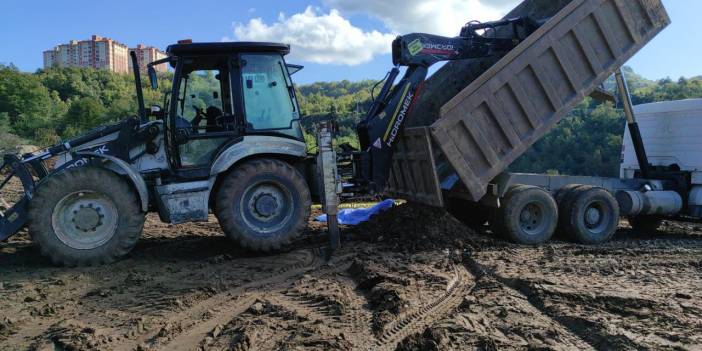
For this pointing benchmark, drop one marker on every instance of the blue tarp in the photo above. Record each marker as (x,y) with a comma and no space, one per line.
(354,216)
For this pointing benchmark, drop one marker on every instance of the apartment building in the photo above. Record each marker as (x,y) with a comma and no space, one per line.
(100,53)
(148,54)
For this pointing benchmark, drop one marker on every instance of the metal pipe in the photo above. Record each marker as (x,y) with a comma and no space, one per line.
(634,130)
(662,203)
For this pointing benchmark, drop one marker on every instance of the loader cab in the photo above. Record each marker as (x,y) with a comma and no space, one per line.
(223,92)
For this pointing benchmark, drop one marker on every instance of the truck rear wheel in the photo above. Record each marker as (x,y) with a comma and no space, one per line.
(528,215)
(263,204)
(85,216)
(591,216)
(564,199)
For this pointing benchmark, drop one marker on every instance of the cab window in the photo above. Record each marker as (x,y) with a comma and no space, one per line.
(204,110)
(268,94)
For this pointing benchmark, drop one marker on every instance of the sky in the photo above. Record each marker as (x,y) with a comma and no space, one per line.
(333,39)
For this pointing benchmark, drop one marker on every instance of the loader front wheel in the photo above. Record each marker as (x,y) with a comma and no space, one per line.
(85,216)
(263,204)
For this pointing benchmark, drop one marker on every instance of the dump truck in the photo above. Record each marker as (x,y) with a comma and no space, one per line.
(227,139)
(459,160)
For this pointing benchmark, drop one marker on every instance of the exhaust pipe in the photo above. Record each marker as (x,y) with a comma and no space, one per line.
(639,149)
(651,203)
(139,90)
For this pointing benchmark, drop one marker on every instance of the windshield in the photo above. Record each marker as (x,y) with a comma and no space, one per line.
(268,94)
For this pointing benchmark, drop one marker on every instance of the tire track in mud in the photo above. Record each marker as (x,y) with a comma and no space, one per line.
(262,289)
(549,303)
(416,321)
(201,318)
(520,287)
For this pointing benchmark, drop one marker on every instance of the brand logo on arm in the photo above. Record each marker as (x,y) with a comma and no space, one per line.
(415,47)
(438,49)
(399,117)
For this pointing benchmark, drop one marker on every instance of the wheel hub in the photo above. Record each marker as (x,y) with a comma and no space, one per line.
(87,218)
(266,205)
(530,218)
(592,216)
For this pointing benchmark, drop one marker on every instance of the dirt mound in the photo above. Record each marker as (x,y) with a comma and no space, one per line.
(414,227)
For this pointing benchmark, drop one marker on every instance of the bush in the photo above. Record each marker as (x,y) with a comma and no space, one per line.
(9,142)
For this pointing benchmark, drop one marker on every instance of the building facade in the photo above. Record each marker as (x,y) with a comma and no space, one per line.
(148,54)
(99,53)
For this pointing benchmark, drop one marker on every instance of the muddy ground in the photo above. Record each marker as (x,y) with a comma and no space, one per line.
(401,282)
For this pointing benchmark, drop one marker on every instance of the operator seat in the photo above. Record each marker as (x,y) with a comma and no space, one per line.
(211,114)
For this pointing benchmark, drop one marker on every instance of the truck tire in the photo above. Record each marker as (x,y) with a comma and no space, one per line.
(528,215)
(591,215)
(564,198)
(645,224)
(85,216)
(263,204)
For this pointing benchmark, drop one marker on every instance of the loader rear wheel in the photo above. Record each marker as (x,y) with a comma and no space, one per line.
(263,204)
(85,216)
(528,216)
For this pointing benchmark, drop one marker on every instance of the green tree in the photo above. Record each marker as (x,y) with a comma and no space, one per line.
(25,101)
(85,113)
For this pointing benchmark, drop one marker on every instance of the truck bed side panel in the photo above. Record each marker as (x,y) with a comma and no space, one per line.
(494,120)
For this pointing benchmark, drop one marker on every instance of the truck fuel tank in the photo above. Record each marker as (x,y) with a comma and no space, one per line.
(637,203)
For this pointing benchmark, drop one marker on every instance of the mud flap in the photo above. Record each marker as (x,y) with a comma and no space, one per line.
(14,218)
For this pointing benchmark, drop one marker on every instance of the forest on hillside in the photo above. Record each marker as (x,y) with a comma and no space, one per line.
(47,106)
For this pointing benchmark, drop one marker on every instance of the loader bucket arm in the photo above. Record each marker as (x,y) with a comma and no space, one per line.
(13,218)
(380,129)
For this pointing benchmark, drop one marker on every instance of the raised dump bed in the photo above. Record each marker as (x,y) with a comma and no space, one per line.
(496,118)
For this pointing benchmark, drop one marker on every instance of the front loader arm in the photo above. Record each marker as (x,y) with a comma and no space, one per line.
(380,129)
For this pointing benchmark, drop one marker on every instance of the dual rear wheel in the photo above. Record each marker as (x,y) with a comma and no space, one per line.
(531,215)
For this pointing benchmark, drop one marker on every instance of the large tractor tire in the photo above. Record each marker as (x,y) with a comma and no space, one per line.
(263,204)
(85,216)
(590,216)
(528,215)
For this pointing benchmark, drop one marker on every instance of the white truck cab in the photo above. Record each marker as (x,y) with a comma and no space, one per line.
(672,133)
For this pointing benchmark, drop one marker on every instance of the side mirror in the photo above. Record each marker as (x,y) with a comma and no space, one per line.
(215,95)
(153,78)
